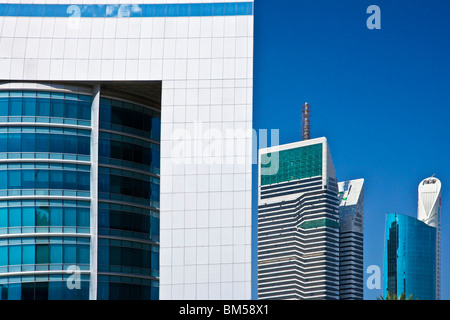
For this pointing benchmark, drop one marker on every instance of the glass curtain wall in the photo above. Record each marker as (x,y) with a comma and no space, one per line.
(44,194)
(129,162)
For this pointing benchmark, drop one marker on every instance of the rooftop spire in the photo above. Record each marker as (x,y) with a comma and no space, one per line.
(306,122)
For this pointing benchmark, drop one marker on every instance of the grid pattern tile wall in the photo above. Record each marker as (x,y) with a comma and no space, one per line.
(127,10)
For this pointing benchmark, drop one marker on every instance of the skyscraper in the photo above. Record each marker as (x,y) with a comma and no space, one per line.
(409,258)
(351,239)
(298,222)
(94,101)
(429,212)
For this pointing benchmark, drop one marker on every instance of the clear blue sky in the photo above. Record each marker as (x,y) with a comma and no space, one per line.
(380,97)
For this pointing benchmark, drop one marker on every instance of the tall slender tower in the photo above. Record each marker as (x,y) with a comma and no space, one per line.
(351,239)
(429,212)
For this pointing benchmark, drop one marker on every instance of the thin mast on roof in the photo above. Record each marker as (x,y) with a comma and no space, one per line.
(306,121)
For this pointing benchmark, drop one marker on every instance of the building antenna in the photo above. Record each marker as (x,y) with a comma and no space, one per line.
(306,121)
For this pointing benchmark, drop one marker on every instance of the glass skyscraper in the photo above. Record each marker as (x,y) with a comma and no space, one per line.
(410,258)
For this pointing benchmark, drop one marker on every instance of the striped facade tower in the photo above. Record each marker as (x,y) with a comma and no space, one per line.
(298,223)
(351,239)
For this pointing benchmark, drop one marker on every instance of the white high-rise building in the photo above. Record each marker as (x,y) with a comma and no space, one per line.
(168,202)
(429,212)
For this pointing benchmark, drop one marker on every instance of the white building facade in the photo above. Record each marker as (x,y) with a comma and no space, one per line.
(199,56)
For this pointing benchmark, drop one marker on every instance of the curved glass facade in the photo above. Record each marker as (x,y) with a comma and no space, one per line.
(410,258)
(44,216)
(128,222)
(45,107)
(44,193)
(47,196)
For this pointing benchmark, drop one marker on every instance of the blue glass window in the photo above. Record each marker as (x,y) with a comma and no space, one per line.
(71,109)
(28,142)
(70,180)
(56,180)
(28,179)
(29,107)
(46,179)
(42,254)
(42,142)
(29,254)
(83,254)
(45,104)
(56,216)
(3,255)
(83,217)
(119,11)
(42,178)
(3,107)
(28,216)
(15,217)
(43,107)
(15,255)
(42,216)
(127,254)
(15,107)
(57,109)
(218,9)
(14,142)
(195,9)
(128,186)
(71,144)
(139,154)
(129,118)
(3,217)
(70,217)
(56,253)
(14,179)
(3,142)
(70,253)
(207,9)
